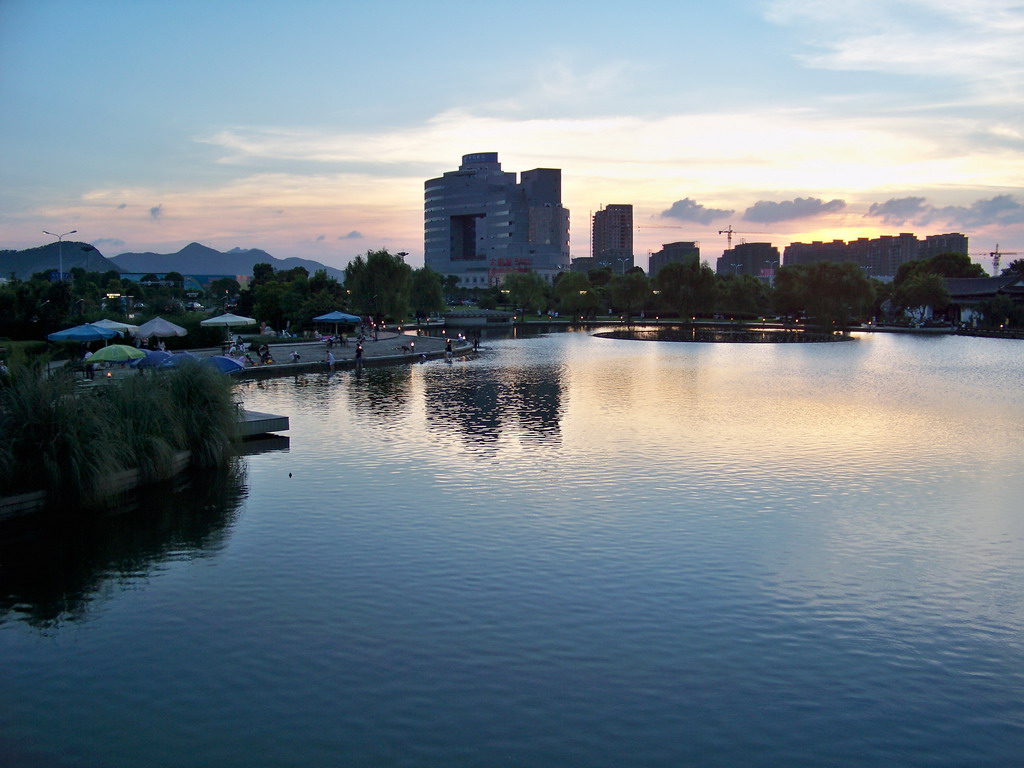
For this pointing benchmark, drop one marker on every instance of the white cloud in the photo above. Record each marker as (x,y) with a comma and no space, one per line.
(969,40)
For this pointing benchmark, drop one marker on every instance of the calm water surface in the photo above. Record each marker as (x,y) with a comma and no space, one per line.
(568,551)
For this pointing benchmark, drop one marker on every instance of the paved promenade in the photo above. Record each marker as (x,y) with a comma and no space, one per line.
(389,347)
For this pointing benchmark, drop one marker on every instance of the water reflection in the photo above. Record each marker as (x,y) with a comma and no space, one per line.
(385,392)
(52,571)
(481,403)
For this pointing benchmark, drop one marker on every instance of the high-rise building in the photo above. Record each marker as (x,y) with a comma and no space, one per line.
(879,257)
(674,253)
(758,260)
(612,241)
(480,224)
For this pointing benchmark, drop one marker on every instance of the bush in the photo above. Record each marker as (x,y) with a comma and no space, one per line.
(54,438)
(59,438)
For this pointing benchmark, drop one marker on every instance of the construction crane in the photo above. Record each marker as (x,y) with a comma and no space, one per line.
(996,257)
(730,232)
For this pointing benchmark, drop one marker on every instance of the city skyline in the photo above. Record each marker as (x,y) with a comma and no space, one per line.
(308,129)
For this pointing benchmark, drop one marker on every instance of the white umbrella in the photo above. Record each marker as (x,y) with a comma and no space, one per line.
(114,325)
(227,320)
(160,328)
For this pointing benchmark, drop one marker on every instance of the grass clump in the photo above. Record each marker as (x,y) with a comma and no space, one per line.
(57,437)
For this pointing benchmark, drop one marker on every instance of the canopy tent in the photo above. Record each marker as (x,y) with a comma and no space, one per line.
(115,325)
(87,332)
(116,353)
(337,318)
(160,328)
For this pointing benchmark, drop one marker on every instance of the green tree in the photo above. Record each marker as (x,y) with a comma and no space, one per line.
(527,291)
(943,264)
(575,295)
(743,295)
(920,291)
(380,285)
(630,292)
(600,276)
(224,286)
(322,282)
(831,293)
(426,293)
(1015,266)
(261,273)
(687,288)
(837,293)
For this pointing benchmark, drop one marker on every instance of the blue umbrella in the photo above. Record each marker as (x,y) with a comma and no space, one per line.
(224,364)
(87,332)
(337,317)
(153,358)
(179,358)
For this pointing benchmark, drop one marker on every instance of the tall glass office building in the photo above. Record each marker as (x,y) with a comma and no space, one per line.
(481,224)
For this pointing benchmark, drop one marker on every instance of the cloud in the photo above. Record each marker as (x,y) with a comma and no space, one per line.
(975,41)
(767,211)
(156,212)
(353,235)
(321,238)
(122,206)
(897,211)
(1001,210)
(690,210)
(108,242)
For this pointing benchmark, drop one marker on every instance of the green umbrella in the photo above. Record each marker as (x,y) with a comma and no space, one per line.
(116,353)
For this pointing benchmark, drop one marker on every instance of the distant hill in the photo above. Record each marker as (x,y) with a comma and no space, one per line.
(46,258)
(198,259)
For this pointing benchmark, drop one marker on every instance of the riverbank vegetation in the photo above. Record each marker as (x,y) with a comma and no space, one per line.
(59,436)
(382,286)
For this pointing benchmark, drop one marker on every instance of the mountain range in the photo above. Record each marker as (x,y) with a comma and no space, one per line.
(49,257)
(193,259)
(197,259)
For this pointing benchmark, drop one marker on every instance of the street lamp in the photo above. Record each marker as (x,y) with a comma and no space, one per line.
(60,250)
(736,267)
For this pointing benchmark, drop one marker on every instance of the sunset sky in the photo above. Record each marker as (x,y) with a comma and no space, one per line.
(307,128)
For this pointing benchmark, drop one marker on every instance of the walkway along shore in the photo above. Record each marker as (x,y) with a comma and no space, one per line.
(389,348)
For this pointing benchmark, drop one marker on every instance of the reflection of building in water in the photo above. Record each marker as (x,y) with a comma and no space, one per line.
(484,403)
(385,392)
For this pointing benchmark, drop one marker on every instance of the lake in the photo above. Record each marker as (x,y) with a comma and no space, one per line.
(566,551)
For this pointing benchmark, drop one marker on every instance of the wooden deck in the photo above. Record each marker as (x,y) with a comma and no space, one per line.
(255,423)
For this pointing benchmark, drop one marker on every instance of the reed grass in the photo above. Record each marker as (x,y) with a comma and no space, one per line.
(205,412)
(56,437)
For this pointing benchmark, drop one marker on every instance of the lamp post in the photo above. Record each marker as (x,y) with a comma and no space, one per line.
(60,250)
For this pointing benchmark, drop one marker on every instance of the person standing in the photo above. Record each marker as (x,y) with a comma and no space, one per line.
(330,360)
(448,349)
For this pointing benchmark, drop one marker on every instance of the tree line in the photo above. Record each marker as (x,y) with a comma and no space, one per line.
(382,286)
